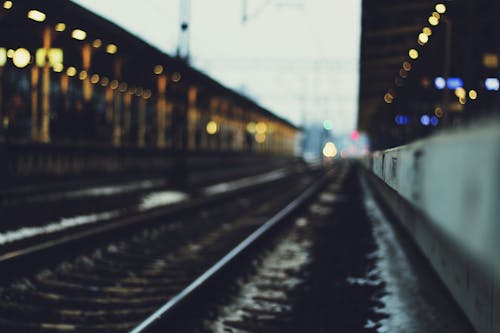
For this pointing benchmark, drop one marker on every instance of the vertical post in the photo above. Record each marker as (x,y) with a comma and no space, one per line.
(214,107)
(63,116)
(244,15)
(109,105)
(223,124)
(35,76)
(192,118)
(127,116)
(184,34)
(86,62)
(117,105)
(45,121)
(141,123)
(161,110)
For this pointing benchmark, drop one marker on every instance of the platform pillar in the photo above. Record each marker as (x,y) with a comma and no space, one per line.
(161,111)
(127,114)
(117,105)
(45,119)
(141,122)
(86,62)
(193,119)
(35,77)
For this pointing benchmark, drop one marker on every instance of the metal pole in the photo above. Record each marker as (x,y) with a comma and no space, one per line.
(244,16)
(141,122)
(86,62)
(45,121)
(161,110)
(192,117)
(34,102)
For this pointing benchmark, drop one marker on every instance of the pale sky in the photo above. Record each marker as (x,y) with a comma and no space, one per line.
(298,58)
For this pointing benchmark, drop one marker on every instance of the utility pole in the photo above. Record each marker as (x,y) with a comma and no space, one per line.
(184,32)
(244,16)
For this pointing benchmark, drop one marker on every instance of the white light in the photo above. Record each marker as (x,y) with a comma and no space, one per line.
(441,8)
(36,15)
(440,83)
(413,54)
(423,38)
(492,84)
(3,56)
(79,34)
(22,58)
(330,150)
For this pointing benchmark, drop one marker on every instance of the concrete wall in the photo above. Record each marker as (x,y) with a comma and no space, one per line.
(446,192)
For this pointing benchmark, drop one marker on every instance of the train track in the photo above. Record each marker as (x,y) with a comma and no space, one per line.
(112,277)
(254,287)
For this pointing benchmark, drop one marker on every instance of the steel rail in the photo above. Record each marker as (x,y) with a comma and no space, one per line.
(167,311)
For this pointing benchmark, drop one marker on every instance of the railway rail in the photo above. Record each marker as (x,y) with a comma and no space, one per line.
(111,277)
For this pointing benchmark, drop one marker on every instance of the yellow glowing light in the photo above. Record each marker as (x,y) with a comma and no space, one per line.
(123,87)
(413,54)
(423,38)
(490,60)
(436,15)
(473,94)
(79,34)
(60,27)
(330,150)
(147,94)
(3,56)
(83,75)
(462,100)
(10,53)
(261,127)
(21,58)
(114,84)
(97,43)
(7,4)
(251,127)
(407,66)
(176,77)
(438,112)
(158,69)
(104,81)
(111,48)
(71,71)
(433,20)
(56,56)
(388,98)
(94,78)
(460,92)
(212,127)
(427,31)
(260,137)
(36,15)
(58,68)
(132,90)
(441,8)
